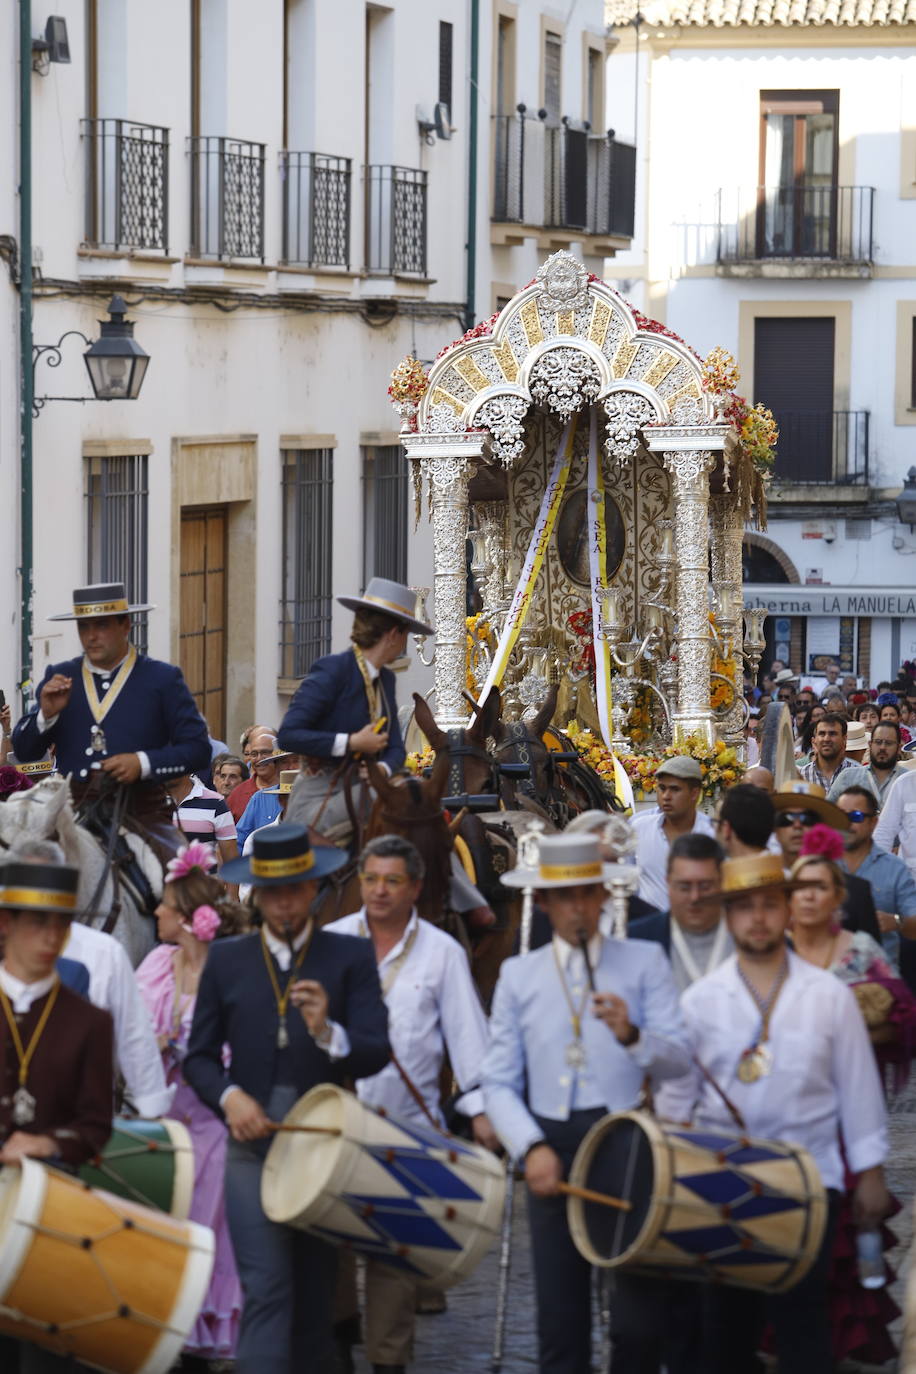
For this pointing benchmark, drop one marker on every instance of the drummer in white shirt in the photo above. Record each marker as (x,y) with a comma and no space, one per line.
(787,1045)
(433,1007)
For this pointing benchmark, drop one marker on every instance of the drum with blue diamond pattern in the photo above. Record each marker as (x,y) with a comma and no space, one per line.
(704,1203)
(393,1190)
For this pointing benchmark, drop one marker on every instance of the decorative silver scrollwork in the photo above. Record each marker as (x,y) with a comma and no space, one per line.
(504,417)
(564,380)
(627,412)
(563,282)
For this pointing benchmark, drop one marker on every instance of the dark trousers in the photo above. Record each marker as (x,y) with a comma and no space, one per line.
(736,1318)
(288,1277)
(643,1329)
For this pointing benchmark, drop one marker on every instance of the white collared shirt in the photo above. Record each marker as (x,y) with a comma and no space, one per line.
(652,849)
(433,1006)
(113,987)
(586,1094)
(23,995)
(824,1078)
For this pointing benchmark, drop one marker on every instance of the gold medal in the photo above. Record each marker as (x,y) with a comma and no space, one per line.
(748,1067)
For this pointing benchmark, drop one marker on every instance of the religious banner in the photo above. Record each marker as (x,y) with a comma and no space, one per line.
(597,562)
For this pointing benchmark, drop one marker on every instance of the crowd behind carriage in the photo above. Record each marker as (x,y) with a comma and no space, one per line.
(759,983)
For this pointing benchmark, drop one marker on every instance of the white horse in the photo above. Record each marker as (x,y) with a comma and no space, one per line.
(45,812)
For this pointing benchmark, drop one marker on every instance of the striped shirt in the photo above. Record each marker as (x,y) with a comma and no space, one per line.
(204,815)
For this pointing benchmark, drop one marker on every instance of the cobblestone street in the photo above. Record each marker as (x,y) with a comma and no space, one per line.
(462,1338)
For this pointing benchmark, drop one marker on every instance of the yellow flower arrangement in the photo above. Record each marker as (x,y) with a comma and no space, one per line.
(479,635)
(719,763)
(416,762)
(720,693)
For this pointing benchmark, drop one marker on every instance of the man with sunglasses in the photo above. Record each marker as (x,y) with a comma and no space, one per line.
(433,1007)
(801,805)
(893,886)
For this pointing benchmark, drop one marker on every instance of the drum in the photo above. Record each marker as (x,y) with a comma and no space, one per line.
(388,1189)
(87,1274)
(705,1204)
(150,1162)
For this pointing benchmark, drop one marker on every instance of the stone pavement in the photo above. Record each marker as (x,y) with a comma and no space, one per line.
(462,1338)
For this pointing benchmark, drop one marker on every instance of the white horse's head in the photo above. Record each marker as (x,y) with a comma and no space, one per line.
(35,814)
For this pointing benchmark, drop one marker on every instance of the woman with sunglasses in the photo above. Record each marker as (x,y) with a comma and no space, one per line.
(859,1317)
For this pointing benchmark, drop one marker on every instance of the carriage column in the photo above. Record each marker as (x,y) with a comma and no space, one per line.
(448,462)
(726,536)
(690,455)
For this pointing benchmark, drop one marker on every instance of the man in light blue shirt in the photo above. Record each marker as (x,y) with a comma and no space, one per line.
(577,1027)
(892,884)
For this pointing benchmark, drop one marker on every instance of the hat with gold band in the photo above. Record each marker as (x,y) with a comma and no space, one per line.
(282,854)
(752,873)
(39,887)
(101,598)
(564,861)
(287,781)
(394,599)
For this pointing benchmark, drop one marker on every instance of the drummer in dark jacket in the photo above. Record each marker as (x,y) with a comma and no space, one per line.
(297,1007)
(346,705)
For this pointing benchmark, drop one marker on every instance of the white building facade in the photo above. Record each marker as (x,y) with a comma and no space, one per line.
(282,195)
(776,216)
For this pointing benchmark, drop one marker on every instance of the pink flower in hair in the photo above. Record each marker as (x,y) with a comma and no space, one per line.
(823,841)
(193,855)
(205,922)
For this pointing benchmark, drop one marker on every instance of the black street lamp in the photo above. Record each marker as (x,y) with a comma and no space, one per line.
(115,361)
(906,501)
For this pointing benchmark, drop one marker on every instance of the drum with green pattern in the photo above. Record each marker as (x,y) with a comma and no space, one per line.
(151,1162)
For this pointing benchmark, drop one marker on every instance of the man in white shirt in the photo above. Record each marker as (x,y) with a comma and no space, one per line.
(896,829)
(787,1045)
(433,1007)
(112,987)
(677,787)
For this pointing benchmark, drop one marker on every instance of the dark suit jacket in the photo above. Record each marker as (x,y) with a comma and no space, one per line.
(656,927)
(331,701)
(859,908)
(70,1076)
(236,1006)
(154,712)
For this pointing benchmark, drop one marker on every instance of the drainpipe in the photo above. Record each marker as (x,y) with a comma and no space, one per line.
(470,305)
(26,384)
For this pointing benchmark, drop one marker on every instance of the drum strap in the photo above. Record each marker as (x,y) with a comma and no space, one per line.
(726,1100)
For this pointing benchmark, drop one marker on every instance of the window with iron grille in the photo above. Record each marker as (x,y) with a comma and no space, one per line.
(445,65)
(385,513)
(305,610)
(117,529)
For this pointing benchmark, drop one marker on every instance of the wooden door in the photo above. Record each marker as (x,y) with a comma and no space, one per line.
(202,633)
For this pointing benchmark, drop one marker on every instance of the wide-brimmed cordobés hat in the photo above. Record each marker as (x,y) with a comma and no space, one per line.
(39,887)
(564,861)
(810,796)
(101,598)
(753,873)
(283,854)
(394,599)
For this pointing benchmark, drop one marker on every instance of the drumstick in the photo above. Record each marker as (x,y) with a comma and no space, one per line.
(305,1130)
(589,1195)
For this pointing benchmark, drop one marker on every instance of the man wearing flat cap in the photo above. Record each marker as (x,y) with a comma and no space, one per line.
(678,782)
(113,711)
(787,1048)
(346,707)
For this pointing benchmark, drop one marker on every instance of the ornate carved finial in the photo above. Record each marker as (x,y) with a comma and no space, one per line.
(563,281)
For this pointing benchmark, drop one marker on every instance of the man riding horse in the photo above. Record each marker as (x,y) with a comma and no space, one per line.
(115,716)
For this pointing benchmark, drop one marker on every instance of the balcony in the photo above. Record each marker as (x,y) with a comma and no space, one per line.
(127,185)
(316,210)
(562,178)
(396,221)
(822,448)
(227,198)
(824,231)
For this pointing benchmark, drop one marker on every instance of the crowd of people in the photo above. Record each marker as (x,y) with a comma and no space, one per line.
(765,982)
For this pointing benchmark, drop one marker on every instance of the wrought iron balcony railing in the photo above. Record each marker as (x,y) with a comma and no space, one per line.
(316,210)
(227,198)
(833,223)
(822,446)
(396,220)
(562,177)
(127,184)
